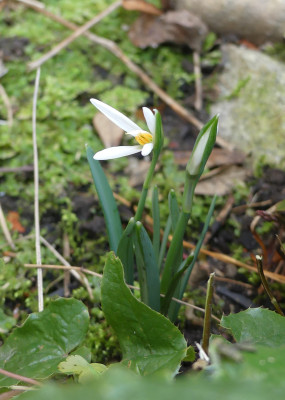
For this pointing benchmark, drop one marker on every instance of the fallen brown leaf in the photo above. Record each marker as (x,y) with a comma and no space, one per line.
(137,170)
(14,218)
(109,133)
(140,5)
(217,158)
(222,183)
(181,27)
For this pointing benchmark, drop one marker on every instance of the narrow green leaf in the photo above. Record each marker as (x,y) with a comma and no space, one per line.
(173,259)
(256,325)
(36,348)
(164,243)
(107,201)
(147,268)
(173,208)
(149,341)
(156,222)
(125,251)
(174,307)
(165,301)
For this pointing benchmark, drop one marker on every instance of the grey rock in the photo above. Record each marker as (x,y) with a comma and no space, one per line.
(252,103)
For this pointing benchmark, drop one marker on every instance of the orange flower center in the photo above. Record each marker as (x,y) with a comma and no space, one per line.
(144,138)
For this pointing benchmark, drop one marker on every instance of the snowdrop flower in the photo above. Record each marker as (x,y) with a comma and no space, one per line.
(143,138)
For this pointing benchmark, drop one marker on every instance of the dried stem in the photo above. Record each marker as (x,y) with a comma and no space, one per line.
(5,229)
(66,254)
(36,200)
(87,271)
(78,32)
(7,104)
(266,286)
(198,104)
(79,276)
(24,168)
(19,377)
(208,312)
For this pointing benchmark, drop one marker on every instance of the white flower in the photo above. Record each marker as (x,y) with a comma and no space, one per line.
(144,138)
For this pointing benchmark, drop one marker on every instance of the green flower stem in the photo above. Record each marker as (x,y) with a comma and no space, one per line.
(172,260)
(266,286)
(146,186)
(208,312)
(188,194)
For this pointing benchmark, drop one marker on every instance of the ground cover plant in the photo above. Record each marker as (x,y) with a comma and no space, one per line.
(103,297)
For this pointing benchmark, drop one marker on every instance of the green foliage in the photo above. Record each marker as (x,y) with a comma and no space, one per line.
(249,380)
(36,348)
(107,201)
(256,325)
(6,322)
(77,365)
(150,342)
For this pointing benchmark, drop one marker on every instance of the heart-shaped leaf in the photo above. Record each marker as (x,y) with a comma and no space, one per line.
(36,348)
(149,341)
(257,325)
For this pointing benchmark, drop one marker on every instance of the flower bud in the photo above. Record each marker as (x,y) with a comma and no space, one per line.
(202,148)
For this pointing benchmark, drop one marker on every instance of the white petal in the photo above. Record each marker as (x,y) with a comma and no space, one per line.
(116,152)
(147,149)
(115,116)
(150,119)
(136,133)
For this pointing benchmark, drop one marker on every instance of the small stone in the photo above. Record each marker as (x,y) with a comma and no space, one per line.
(252,103)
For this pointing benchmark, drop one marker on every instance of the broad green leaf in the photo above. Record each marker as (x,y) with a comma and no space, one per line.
(258,363)
(256,325)
(118,383)
(149,341)
(36,348)
(77,365)
(147,268)
(82,351)
(190,354)
(107,201)
(125,251)
(156,222)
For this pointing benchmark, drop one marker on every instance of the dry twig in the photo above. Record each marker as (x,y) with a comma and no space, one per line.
(66,254)
(87,271)
(7,104)
(78,32)
(5,229)
(78,275)
(198,104)
(36,200)
(19,377)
